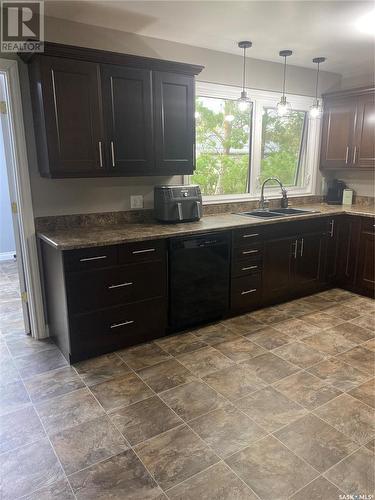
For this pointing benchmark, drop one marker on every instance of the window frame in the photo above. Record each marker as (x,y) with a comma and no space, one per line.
(260,99)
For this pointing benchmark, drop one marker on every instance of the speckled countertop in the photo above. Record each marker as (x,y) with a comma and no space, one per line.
(68,239)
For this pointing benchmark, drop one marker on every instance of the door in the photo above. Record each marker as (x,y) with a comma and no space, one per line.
(71,112)
(278,262)
(332,251)
(338,133)
(127,107)
(174,123)
(364,142)
(309,268)
(366,261)
(349,233)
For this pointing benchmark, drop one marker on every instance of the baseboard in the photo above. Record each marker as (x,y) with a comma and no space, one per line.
(7,256)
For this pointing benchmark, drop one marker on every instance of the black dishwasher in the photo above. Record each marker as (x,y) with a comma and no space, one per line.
(198,279)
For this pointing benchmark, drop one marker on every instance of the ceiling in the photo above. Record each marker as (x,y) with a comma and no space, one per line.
(309,28)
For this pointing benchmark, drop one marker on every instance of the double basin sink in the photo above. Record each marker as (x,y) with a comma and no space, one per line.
(277,212)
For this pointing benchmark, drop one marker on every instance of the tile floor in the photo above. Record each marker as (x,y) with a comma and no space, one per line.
(275,404)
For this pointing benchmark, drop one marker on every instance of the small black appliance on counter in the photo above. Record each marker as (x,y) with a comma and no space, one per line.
(177,203)
(335,192)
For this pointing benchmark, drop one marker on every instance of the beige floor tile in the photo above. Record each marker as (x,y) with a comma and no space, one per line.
(361,358)
(365,393)
(20,428)
(329,342)
(317,490)
(96,370)
(205,361)
(143,355)
(270,409)
(321,445)
(355,474)
(52,384)
(269,367)
(269,338)
(216,333)
(175,456)
(299,354)
(180,344)
(193,399)
(270,469)
(227,430)
(339,374)
(165,375)
(349,416)
(239,349)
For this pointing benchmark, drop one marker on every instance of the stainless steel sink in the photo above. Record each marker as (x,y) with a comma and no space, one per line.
(277,212)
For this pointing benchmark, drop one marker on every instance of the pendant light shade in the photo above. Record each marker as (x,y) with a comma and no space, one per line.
(244,101)
(316,108)
(284,107)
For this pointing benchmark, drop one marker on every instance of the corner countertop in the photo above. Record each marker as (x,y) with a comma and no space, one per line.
(93,236)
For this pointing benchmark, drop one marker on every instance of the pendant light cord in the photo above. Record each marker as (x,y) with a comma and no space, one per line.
(244,69)
(284,76)
(317,82)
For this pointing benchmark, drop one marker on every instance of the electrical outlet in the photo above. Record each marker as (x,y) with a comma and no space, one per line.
(136,201)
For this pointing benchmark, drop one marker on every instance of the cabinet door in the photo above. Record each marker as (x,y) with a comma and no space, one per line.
(174,123)
(278,263)
(332,251)
(70,92)
(127,107)
(364,143)
(349,233)
(337,133)
(366,260)
(309,264)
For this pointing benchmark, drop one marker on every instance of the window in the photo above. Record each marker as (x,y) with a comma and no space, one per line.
(222,148)
(282,146)
(236,150)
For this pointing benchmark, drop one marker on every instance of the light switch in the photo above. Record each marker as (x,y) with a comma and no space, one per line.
(136,201)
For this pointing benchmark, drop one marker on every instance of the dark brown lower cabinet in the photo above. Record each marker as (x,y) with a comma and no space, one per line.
(356,254)
(104,298)
(278,262)
(332,249)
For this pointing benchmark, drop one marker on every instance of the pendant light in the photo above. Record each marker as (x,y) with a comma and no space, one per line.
(244,101)
(316,107)
(284,107)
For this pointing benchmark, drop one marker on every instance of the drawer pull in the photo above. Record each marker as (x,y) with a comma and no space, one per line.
(117,325)
(246,252)
(248,268)
(147,250)
(99,257)
(248,291)
(250,235)
(120,285)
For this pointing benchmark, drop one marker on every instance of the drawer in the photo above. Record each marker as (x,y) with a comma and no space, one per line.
(368,225)
(243,237)
(142,251)
(246,293)
(90,258)
(90,290)
(110,329)
(245,252)
(246,267)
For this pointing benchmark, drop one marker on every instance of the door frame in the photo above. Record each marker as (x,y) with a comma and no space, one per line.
(20,191)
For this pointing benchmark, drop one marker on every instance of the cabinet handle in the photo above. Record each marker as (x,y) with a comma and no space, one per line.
(100,154)
(147,250)
(99,257)
(246,252)
(117,325)
(347,155)
(295,249)
(301,251)
(248,268)
(120,285)
(245,292)
(355,155)
(113,154)
(193,154)
(331,232)
(250,235)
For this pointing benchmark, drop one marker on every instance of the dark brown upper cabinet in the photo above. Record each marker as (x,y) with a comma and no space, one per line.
(127,109)
(348,130)
(101,113)
(67,118)
(174,122)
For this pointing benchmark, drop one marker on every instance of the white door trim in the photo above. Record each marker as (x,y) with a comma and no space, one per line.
(20,188)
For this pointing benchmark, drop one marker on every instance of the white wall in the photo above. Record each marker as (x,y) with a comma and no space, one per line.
(66,196)
(7,243)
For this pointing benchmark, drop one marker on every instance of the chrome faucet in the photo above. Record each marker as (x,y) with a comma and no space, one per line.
(263,203)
